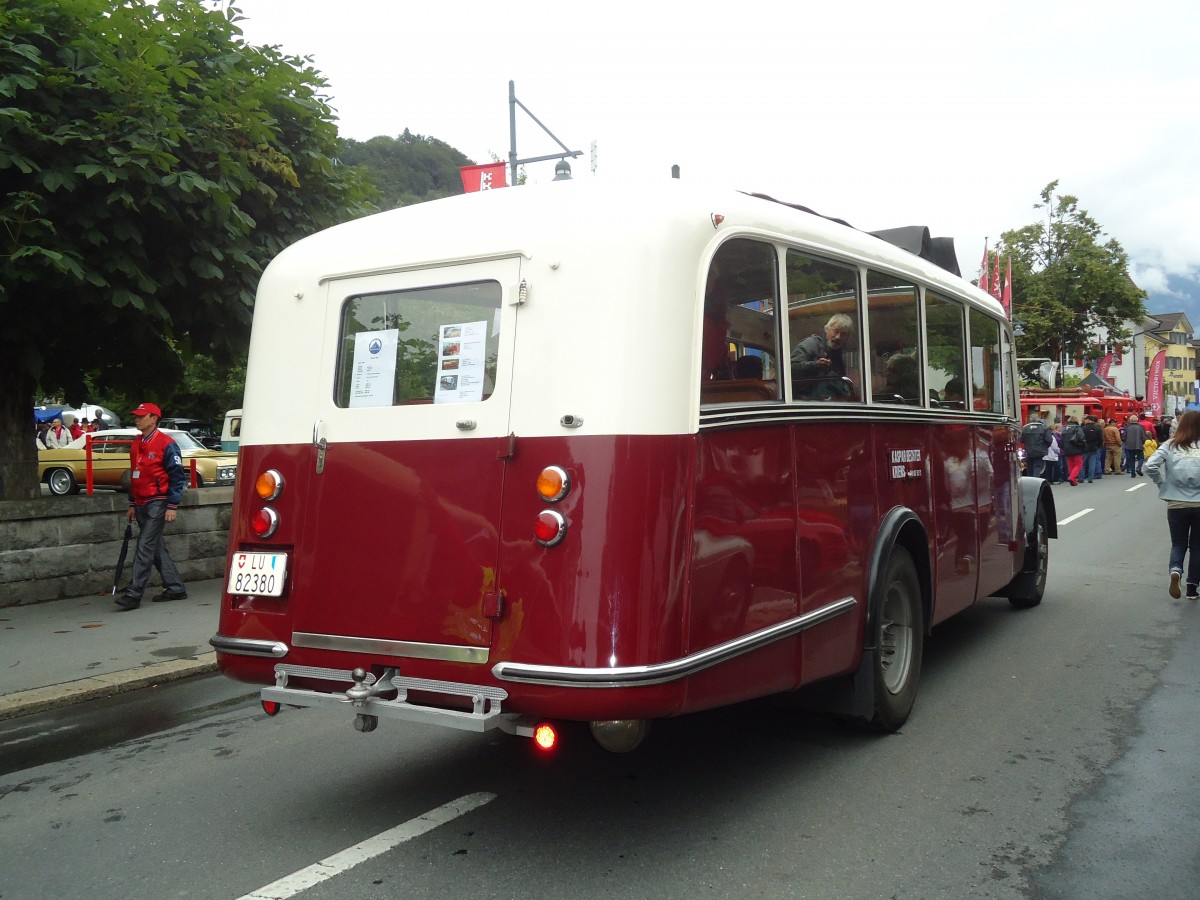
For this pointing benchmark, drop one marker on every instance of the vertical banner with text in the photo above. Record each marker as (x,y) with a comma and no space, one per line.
(1154,383)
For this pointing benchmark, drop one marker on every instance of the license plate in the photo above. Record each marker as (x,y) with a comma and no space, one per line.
(260,574)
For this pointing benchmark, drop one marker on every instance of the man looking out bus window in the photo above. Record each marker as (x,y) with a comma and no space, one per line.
(818,363)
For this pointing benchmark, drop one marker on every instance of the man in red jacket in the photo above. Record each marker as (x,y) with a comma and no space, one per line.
(156,484)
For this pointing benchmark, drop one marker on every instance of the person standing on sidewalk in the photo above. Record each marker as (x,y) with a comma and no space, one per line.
(1093,460)
(1074,447)
(156,483)
(1175,468)
(1035,438)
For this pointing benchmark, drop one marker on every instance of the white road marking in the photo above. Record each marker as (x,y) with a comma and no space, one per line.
(293,884)
(34,737)
(1069,519)
(1136,487)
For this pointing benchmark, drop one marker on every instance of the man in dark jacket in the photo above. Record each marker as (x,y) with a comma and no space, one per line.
(1035,438)
(1093,466)
(156,482)
(1135,439)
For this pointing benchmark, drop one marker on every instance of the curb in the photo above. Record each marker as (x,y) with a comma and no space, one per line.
(24,703)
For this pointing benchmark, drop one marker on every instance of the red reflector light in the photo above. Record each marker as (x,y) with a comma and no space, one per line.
(264,522)
(545,737)
(549,528)
(270,707)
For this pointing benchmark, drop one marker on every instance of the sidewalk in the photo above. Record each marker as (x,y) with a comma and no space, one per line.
(66,651)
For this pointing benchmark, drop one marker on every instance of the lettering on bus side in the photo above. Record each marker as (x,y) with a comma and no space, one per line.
(906,464)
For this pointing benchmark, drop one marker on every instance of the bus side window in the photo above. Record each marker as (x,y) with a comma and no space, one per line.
(986,385)
(823,328)
(892,313)
(945,373)
(740,344)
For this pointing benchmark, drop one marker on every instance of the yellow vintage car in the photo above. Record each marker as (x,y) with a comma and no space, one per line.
(65,470)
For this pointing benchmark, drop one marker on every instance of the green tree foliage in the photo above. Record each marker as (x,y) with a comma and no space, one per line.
(151,163)
(408,169)
(1069,283)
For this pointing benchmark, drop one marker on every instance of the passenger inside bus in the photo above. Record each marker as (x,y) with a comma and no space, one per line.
(818,363)
(903,383)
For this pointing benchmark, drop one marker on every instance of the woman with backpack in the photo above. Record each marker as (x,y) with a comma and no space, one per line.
(1175,468)
(1074,446)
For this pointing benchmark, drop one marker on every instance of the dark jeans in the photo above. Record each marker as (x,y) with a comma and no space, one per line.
(1133,461)
(1035,468)
(1093,467)
(152,551)
(1185,540)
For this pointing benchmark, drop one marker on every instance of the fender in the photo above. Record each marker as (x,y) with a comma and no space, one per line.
(854,694)
(1033,492)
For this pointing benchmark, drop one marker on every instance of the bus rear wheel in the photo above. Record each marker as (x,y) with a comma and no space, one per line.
(899,641)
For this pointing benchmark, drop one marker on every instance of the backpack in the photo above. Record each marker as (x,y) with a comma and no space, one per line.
(1074,443)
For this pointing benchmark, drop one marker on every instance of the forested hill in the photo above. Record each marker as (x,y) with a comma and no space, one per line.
(407,169)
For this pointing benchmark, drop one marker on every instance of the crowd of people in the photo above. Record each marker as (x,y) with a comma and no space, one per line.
(61,431)
(1074,452)
(1164,449)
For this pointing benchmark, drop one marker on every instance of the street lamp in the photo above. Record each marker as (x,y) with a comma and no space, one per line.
(562,170)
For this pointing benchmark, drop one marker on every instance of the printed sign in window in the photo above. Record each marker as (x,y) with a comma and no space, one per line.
(462,353)
(374,379)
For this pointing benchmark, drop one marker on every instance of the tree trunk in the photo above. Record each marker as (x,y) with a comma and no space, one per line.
(18,450)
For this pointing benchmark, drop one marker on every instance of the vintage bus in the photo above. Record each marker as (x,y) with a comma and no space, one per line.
(552,454)
(1079,402)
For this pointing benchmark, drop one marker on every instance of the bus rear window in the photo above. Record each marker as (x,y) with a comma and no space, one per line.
(428,345)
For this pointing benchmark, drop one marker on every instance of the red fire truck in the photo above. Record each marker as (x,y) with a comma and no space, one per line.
(1079,402)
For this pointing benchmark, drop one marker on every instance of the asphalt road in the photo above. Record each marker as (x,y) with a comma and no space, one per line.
(1051,754)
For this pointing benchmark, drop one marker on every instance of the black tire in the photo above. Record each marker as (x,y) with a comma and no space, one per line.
(900,642)
(61,482)
(1041,537)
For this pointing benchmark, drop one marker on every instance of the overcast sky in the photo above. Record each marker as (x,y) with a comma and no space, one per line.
(947,114)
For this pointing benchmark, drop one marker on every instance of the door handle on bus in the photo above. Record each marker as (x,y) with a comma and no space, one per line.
(321,444)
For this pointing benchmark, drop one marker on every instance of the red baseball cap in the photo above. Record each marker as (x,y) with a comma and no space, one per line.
(147,409)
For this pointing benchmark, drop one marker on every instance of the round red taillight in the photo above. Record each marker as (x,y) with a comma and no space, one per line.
(264,522)
(553,483)
(269,484)
(549,528)
(271,707)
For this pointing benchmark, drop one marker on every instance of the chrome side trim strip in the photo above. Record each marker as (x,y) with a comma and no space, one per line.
(660,673)
(412,649)
(248,646)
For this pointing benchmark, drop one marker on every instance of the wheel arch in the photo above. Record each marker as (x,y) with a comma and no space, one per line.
(901,527)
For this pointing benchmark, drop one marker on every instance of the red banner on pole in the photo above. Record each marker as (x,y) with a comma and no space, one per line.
(983,273)
(1154,382)
(484,177)
(1104,365)
(1006,297)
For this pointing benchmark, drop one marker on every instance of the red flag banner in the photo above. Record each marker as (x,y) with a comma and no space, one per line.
(983,272)
(1104,365)
(484,177)
(1006,297)
(1154,383)
(996,278)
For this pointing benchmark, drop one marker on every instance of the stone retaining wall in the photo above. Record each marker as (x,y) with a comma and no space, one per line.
(61,547)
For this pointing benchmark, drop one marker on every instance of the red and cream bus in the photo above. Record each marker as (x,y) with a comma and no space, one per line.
(550,454)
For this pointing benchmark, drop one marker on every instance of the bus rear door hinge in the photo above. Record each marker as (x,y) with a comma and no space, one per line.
(507,447)
(493,604)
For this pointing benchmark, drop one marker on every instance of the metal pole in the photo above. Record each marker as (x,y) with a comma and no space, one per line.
(512,134)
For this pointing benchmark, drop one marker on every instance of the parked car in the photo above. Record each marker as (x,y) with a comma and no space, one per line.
(65,469)
(202,431)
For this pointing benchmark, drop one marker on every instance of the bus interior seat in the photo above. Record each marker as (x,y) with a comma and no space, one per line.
(748,367)
(739,390)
